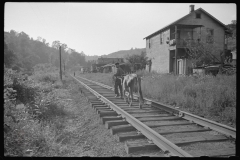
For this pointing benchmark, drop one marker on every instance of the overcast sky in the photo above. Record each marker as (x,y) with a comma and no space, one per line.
(102,28)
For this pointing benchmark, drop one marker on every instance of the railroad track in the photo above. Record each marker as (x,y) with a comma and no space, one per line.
(158,127)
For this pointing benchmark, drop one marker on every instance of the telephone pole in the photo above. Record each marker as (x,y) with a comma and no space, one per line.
(60,62)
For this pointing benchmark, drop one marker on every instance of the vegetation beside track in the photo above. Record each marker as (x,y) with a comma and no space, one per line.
(211,97)
(46,117)
(34,112)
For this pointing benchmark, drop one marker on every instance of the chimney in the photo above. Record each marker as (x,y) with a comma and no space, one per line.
(191,7)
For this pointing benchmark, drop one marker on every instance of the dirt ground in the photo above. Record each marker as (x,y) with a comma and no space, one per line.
(88,137)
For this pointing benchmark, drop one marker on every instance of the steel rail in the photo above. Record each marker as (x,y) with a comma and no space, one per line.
(229,131)
(221,128)
(169,148)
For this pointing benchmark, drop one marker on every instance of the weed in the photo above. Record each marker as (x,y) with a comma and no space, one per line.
(35,125)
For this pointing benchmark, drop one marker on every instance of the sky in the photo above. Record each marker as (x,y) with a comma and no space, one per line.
(102,28)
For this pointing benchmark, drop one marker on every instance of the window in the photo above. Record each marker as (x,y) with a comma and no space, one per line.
(178,34)
(198,15)
(161,40)
(149,41)
(168,39)
(210,34)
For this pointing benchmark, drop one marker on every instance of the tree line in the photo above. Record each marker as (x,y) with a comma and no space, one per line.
(22,52)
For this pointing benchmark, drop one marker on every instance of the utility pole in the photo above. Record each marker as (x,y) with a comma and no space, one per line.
(60,62)
(176,67)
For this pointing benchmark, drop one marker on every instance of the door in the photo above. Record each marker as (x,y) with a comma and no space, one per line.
(180,66)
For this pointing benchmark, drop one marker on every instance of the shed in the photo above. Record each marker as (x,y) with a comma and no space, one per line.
(107,68)
(125,67)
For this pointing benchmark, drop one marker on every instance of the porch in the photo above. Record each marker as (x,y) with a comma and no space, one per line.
(181,34)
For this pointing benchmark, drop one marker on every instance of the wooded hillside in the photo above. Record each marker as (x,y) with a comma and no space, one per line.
(22,52)
(119,54)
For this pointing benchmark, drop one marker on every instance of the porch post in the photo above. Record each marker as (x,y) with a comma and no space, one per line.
(222,55)
(169,71)
(176,50)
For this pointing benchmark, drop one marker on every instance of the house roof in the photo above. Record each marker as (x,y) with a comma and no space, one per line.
(108,65)
(108,58)
(175,22)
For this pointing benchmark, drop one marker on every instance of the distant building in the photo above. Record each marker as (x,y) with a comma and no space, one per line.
(108,68)
(102,63)
(166,47)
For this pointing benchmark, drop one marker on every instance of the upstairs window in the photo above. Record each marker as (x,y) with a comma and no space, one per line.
(198,15)
(161,38)
(149,43)
(168,39)
(210,35)
(178,34)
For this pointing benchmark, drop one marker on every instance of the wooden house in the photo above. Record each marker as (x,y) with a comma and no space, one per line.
(166,47)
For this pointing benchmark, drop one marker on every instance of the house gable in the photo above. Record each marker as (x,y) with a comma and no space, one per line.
(179,21)
(191,19)
(208,23)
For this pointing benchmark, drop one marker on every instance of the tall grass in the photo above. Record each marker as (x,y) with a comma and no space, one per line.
(37,124)
(213,97)
(207,96)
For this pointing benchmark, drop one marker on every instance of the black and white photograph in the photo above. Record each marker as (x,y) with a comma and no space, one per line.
(120,79)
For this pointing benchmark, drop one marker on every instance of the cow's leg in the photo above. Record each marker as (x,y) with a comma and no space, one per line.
(130,94)
(124,91)
(131,85)
(126,97)
(140,93)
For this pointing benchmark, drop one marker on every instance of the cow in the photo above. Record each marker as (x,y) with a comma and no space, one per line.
(131,82)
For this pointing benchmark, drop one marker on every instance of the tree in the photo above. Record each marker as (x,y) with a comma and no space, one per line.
(9,57)
(137,58)
(201,53)
(29,52)
(56,44)
(133,59)
(232,38)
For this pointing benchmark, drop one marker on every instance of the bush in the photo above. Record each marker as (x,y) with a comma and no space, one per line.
(35,125)
(48,78)
(45,73)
